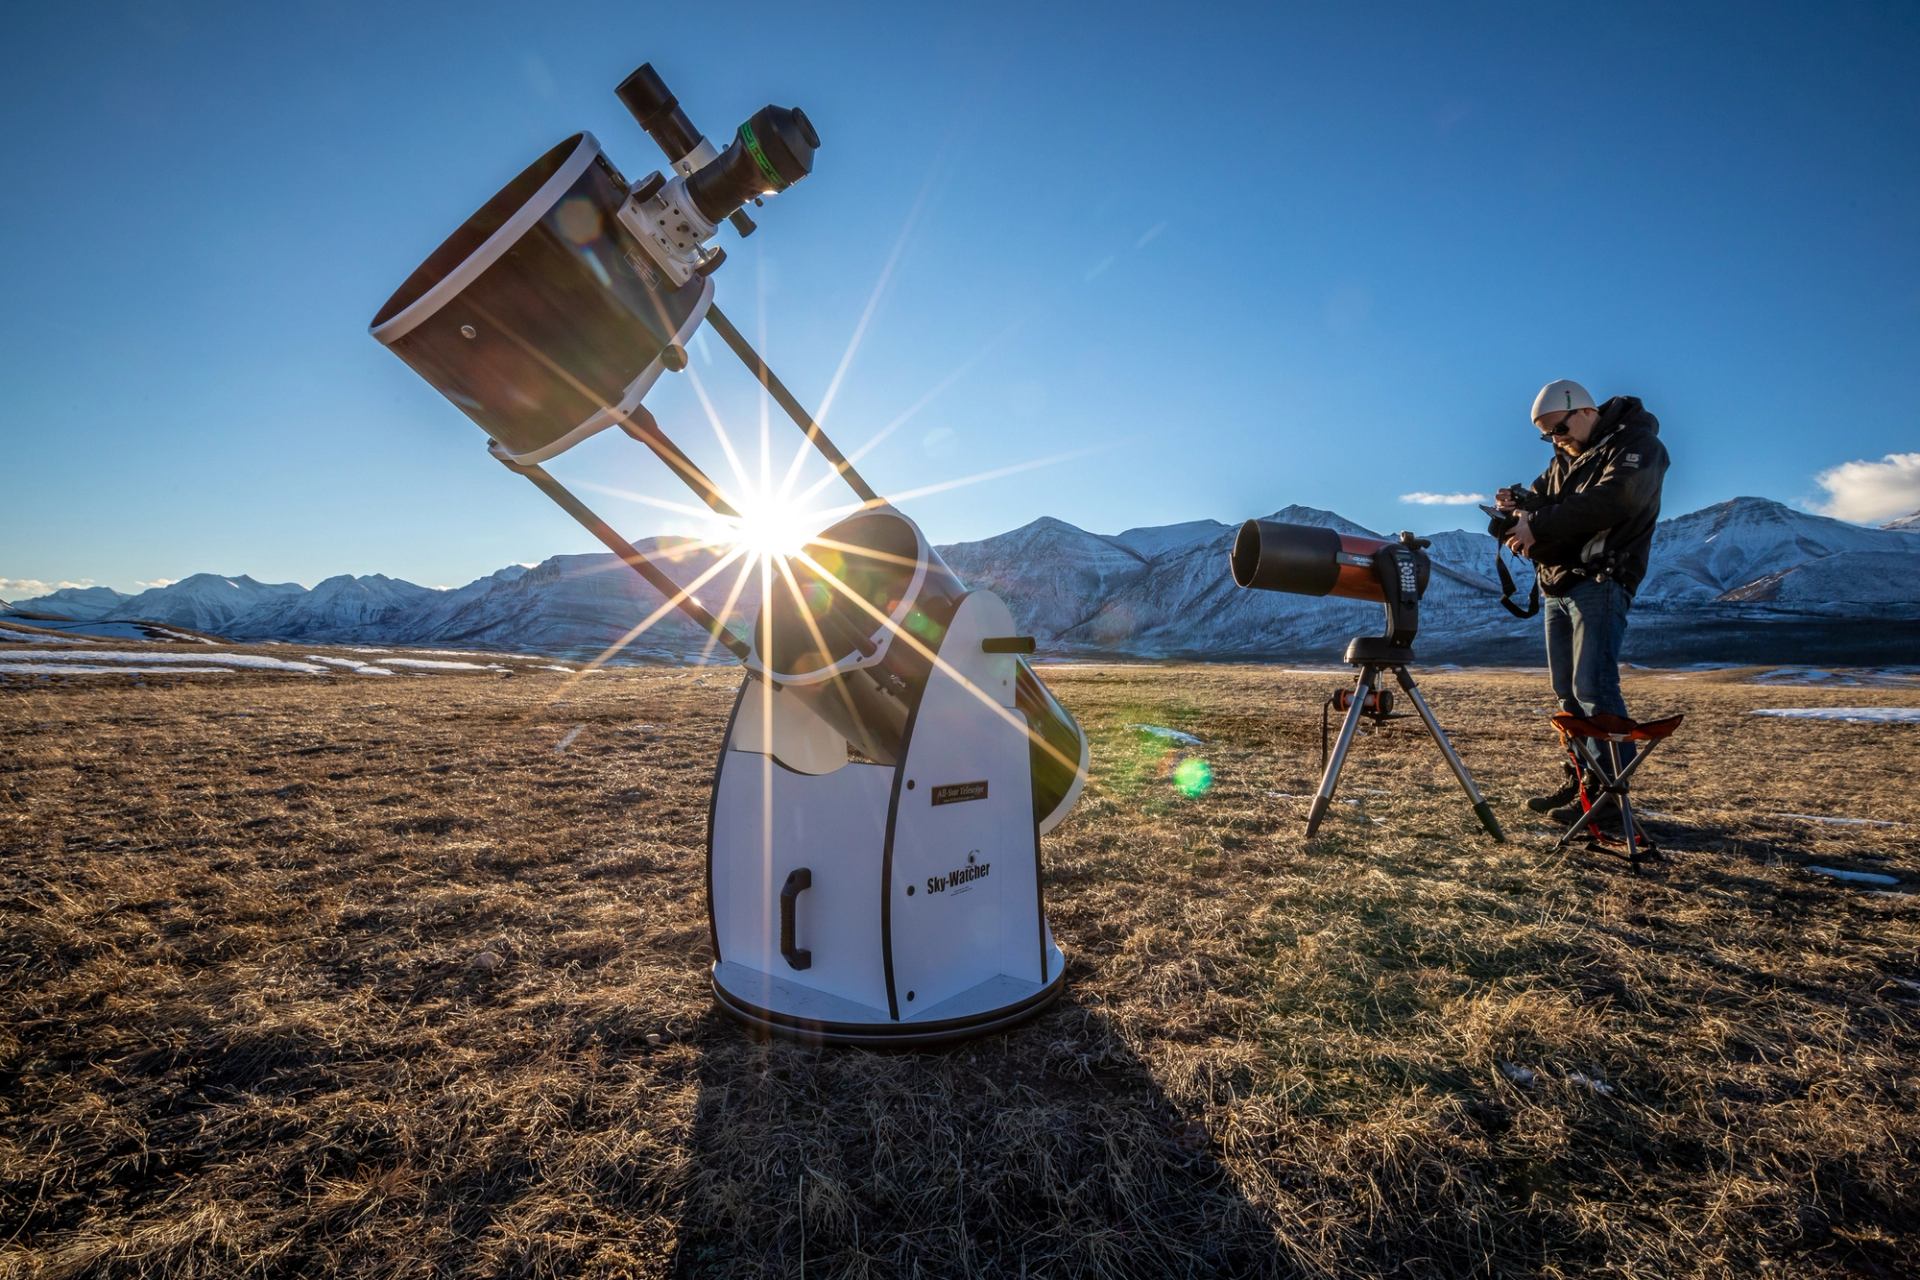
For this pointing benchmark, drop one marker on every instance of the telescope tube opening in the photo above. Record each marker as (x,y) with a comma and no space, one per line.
(1306,560)
(541,314)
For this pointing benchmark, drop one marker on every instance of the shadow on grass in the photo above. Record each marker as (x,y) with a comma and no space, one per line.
(1045,1150)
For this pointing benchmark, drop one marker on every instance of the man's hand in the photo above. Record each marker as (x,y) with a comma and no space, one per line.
(1520,537)
(1506,501)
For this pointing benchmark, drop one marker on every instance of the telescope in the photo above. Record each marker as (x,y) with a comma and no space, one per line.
(891,760)
(1307,560)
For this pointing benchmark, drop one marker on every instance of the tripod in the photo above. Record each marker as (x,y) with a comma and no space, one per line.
(1374,655)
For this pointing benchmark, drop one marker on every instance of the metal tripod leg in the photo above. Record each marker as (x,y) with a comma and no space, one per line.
(1362,691)
(1481,808)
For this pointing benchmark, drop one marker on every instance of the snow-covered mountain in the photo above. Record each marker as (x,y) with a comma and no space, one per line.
(207,601)
(342,608)
(79,603)
(1908,523)
(1748,580)
(1050,573)
(1722,548)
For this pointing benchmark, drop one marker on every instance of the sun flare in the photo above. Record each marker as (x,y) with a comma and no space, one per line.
(772,527)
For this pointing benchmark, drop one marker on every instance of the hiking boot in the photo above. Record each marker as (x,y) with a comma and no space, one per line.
(1554,801)
(1566,813)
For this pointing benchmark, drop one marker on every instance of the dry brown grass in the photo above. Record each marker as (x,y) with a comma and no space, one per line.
(365,978)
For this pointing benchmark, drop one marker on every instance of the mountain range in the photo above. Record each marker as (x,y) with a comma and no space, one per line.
(1747,580)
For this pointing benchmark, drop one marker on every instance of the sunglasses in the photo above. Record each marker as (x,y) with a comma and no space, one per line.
(1550,434)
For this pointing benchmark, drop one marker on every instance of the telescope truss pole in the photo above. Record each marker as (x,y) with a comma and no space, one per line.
(631,555)
(640,427)
(785,399)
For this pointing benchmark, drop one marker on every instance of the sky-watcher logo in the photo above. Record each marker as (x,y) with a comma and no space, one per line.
(960,877)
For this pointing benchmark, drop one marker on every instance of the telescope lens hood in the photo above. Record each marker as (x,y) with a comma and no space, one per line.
(1271,556)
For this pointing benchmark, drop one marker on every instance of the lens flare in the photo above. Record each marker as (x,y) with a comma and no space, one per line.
(771,529)
(1193,777)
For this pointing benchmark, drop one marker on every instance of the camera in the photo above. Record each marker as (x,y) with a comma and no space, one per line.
(1518,496)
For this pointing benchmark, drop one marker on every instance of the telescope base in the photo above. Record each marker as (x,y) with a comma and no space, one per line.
(786,1010)
(854,902)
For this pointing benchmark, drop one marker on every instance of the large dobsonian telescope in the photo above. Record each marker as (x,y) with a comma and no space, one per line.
(873,857)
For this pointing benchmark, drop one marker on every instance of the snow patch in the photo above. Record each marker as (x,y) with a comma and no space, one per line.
(249,661)
(1851,715)
(1171,735)
(358,668)
(1855,877)
(1873,677)
(88,669)
(1834,822)
(430,664)
(33,637)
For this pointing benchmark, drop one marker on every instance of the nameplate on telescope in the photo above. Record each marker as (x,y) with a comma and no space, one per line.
(955,792)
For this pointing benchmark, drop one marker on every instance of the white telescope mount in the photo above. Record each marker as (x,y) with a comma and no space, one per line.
(873,857)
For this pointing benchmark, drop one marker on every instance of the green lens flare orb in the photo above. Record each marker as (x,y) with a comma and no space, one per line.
(1193,777)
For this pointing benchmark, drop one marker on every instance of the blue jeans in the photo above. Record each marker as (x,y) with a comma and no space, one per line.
(1585,629)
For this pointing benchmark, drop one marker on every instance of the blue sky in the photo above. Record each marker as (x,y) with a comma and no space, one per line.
(1228,261)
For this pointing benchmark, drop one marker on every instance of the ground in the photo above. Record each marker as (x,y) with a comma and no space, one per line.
(407,977)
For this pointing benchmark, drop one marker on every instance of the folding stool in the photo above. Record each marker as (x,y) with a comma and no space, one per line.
(1582,736)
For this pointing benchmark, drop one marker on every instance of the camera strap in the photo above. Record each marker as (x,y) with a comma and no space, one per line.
(1508,587)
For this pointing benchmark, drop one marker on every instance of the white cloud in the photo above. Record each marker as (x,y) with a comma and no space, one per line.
(27,588)
(158,582)
(1444,499)
(1872,492)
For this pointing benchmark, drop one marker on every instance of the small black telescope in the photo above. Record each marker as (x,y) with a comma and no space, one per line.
(1308,560)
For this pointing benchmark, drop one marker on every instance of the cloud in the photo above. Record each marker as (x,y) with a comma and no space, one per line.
(1444,499)
(27,588)
(1872,492)
(158,582)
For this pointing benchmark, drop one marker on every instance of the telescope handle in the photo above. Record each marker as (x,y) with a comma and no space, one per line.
(799,880)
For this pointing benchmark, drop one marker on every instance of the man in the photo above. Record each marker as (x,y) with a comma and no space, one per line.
(1588,536)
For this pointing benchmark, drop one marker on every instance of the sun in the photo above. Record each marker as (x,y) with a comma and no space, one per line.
(772,527)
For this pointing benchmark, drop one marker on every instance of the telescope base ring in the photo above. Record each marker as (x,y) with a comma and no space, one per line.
(887,1035)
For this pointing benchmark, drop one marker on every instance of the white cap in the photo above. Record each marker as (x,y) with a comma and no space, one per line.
(1563,396)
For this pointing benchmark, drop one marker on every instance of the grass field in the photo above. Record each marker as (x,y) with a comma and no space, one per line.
(407,977)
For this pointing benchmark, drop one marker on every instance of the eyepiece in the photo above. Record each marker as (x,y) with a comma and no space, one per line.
(770,152)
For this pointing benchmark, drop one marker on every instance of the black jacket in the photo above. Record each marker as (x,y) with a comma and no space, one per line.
(1600,508)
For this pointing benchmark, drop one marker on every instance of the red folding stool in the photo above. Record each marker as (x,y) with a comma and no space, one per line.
(1591,731)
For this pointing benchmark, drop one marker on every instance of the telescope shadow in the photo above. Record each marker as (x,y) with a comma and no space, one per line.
(1048,1149)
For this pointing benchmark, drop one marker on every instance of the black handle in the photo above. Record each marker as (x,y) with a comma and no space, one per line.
(1007,644)
(799,880)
